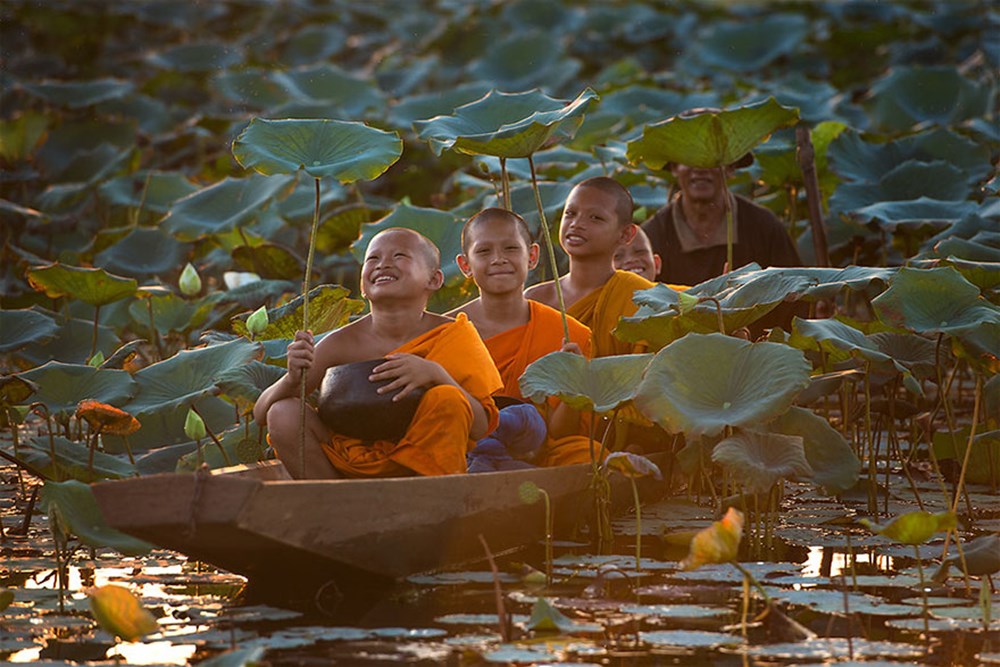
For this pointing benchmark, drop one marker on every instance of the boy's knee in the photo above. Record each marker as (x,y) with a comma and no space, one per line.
(283,417)
(448,398)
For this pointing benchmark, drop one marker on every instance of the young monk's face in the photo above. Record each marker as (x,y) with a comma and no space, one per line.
(397,265)
(590,224)
(638,257)
(498,258)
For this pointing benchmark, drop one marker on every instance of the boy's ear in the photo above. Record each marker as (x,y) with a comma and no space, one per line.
(657,263)
(628,233)
(533,255)
(463,265)
(436,281)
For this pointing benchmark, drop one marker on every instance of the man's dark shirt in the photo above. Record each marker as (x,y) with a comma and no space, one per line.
(760,238)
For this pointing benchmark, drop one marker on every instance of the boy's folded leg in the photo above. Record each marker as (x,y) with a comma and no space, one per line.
(522,430)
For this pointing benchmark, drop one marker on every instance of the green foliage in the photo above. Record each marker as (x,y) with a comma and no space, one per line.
(77,511)
(913,527)
(329,308)
(599,385)
(94,286)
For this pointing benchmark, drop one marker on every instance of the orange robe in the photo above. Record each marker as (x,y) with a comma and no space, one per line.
(512,352)
(601,309)
(438,437)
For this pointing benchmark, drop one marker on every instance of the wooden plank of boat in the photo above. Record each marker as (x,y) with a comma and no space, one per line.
(253,522)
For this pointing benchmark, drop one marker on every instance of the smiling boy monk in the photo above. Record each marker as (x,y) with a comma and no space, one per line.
(597,219)
(497,252)
(401,270)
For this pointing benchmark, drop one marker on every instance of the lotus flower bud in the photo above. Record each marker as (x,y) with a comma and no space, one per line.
(257,321)
(190,281)
(194,427)
(687,302)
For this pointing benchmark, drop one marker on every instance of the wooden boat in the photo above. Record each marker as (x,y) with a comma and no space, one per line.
(349,533)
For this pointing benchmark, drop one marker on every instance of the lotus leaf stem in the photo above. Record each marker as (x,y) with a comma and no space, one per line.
(502,618)
(753,580)
(93,341)
(504,185)
(551,250)
(923,594)
(638,524)
(305,327)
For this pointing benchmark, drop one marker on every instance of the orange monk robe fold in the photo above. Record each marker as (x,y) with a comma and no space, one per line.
(438,437)
(512,352)
(601,309)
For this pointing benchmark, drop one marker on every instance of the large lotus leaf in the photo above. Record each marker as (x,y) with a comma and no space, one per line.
(960,249)
(636,105)
(79,94)
(759,460)
(74,503)
(933,301)
(72,460)
(197,57)
(419,107)
(700,384)
(819,283)
(153,191)
(329,308)
(152,115)
(269,260)
(94,286)
(187,376)
(172,312)
(838,340)
(223,206)
(15,390)
(835,465)
(984,459)
(855,159)
(711,139)
(344,150)
(599,385)
(64,142)
(443,228)
(524,60)
(508,125)
(300,205)
(336,89)
(342,227)
(253,294)
(246,382)
(916,353)
(907,96)
(981,346)
(21,327)
(143,252)
(166,427)
(61,386)
(749,44)
(72,342)
(914,527)
(938,180)
(983,274)
(915,212)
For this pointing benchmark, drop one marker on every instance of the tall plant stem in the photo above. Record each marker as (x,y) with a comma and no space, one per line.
(753,580)
(638,525)
(968,445)
(93,341)
(728,207)
(923,594)
(872,464)
(504,184)
(548,538)
(549,247)
(305,327)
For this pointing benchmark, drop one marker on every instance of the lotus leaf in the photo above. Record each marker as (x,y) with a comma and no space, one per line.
(749,45)
(94,286)
(188,376)
(914,527)
(759,460)
(79,94)
(119,611)
(689,639)
(313,43)
(907,96)
(61,386)
(20,136)
(151,191)
(416,107)
(600,385)
(332,88)
(329,308)
(937,180)
(73,461)
(343,150)
(69,139)
(702,383)
(72,342)
(343,227)
(526,59)
(143,252)
(247,381)
(253,87)
(222,207)
(15,390)
(984,459)
(238,657)
(858,160)
(507,125)
(712,139)
(978,253)
(934,300)
(258,291)
(164,427)
(21,327)
(632,465)
(636,105)
(300,206)
(151,115)
(546,618)
(269,260)
(197,57)
(73,502)
(173,313)
(834,463)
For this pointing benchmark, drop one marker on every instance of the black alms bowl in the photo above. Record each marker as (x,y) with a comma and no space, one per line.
(350,405)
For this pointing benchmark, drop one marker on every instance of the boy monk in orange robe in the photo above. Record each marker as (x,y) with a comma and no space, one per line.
(497,252)
(596,220)
(401,270)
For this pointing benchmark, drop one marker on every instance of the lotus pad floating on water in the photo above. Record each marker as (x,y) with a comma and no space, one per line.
(835,648)
(689,639)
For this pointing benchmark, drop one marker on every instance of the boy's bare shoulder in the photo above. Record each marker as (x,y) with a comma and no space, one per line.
(469,308)
(344,345)
(543,292)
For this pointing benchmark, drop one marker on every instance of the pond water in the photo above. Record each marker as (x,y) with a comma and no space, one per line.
(854,594)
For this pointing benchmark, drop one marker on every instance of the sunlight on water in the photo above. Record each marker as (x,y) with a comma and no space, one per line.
(839,562)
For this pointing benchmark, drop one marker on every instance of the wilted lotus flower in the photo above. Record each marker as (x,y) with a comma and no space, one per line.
(719,543)
(190,281)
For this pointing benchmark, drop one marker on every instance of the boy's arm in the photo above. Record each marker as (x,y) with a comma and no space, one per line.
(408,372)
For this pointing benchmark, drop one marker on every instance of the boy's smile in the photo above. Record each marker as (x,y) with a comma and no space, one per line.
(395,263)
(497,258)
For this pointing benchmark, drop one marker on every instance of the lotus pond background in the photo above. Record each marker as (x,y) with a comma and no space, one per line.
(117,122)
